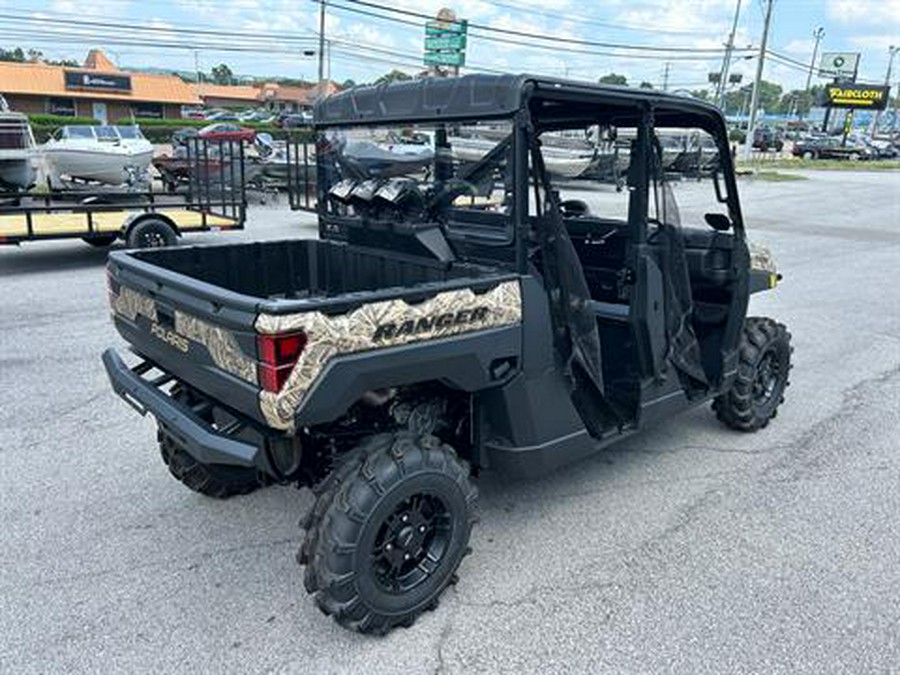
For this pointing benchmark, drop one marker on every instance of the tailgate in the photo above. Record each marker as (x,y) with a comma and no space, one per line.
(202,334)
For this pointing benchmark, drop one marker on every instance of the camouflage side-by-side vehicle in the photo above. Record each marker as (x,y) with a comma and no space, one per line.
(476,300)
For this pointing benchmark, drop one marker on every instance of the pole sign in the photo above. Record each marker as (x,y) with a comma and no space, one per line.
(445,40)
(840,65)
(847,95)
(455,43)
(93,81)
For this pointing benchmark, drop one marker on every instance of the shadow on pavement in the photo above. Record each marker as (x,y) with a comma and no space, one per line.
(38,257)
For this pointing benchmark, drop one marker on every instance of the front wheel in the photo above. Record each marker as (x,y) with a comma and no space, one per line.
(764,364)
(386,535)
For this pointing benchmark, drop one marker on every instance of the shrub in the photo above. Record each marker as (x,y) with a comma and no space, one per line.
(44,119)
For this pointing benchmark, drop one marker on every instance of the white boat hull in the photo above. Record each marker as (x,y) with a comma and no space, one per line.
(113,166)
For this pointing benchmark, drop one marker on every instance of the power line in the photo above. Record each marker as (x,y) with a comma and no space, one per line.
(532,45)
(593,22)
(535,36)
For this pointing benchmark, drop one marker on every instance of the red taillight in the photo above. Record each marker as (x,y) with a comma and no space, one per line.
(277,356)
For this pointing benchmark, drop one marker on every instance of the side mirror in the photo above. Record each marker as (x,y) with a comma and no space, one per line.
(718,221)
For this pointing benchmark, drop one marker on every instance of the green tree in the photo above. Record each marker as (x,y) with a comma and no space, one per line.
(646,85)
(613,78)
(221,74)
(348,84)
(393,76)
(800,101)
(702,94)
(15,54)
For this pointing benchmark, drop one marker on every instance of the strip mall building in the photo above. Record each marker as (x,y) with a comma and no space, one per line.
(98,89)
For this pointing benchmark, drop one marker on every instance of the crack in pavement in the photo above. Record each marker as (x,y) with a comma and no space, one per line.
(184,563)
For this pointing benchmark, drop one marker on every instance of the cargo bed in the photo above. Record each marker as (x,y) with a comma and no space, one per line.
(200,311)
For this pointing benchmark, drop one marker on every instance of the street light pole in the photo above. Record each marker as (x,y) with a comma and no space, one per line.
(726,60)
(818,34)
(892,50)
(321,44)
(754,98)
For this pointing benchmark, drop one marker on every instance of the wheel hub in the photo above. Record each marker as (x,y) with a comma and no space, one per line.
(766,380)
(411,543)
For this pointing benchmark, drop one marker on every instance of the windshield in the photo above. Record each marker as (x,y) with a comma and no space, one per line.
(105,133)
(78,132)
(419,172)
(129,133)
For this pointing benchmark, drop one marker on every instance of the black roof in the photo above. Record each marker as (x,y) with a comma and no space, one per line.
(480,97)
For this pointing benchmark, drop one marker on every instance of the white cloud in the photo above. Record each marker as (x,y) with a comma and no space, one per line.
(868,12)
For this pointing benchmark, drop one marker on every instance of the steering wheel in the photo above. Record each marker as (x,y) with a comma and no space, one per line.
(574,208)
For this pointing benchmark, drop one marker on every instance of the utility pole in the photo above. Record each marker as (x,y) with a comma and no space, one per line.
(754,98)
(666,77)
(726,60)
(892,50)
(197,67)
(321,45)
(818,34)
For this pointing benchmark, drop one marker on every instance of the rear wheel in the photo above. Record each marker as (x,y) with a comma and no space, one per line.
(151,233)
(388,531)
(764,364)
(220,481)
(808,155)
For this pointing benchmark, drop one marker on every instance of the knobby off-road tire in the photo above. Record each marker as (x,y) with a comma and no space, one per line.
(764,364)
(219,481)
(387,532)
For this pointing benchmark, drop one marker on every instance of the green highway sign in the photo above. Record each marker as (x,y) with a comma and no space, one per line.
(452,42)
(446,27)
(445,58)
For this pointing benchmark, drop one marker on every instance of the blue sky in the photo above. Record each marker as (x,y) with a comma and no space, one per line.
(275,33)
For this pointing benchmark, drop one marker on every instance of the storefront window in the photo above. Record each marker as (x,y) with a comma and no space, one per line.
(148,110)
(61,106)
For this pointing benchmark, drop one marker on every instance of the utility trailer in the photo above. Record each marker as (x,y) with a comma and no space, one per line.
(458,314)
(214,201)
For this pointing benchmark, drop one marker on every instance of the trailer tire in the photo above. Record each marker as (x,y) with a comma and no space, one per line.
(388,532)
(764,364)
(151,233)
(101,241)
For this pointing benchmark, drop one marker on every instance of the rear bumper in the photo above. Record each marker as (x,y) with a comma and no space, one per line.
(200,439)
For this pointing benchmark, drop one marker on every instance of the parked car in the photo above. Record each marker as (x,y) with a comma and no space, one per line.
(768,138)
(222,116)
(255,115)
(180,136)
(830,147)
(227,131)
(193,115)
(293,120)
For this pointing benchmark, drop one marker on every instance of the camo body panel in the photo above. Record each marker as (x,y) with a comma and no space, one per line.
(330,336)
(129,304)
(220,343)
(761,258)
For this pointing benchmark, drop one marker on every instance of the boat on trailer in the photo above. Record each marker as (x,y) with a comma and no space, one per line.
(112,155)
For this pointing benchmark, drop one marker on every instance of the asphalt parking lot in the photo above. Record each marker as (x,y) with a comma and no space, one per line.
(689,548)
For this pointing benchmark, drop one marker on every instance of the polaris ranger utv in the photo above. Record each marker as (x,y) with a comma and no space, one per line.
(475,301)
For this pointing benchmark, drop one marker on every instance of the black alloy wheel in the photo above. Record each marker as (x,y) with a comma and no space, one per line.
(388,531)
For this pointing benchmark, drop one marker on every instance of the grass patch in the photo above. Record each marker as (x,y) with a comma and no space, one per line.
(820,164)
(775,176)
